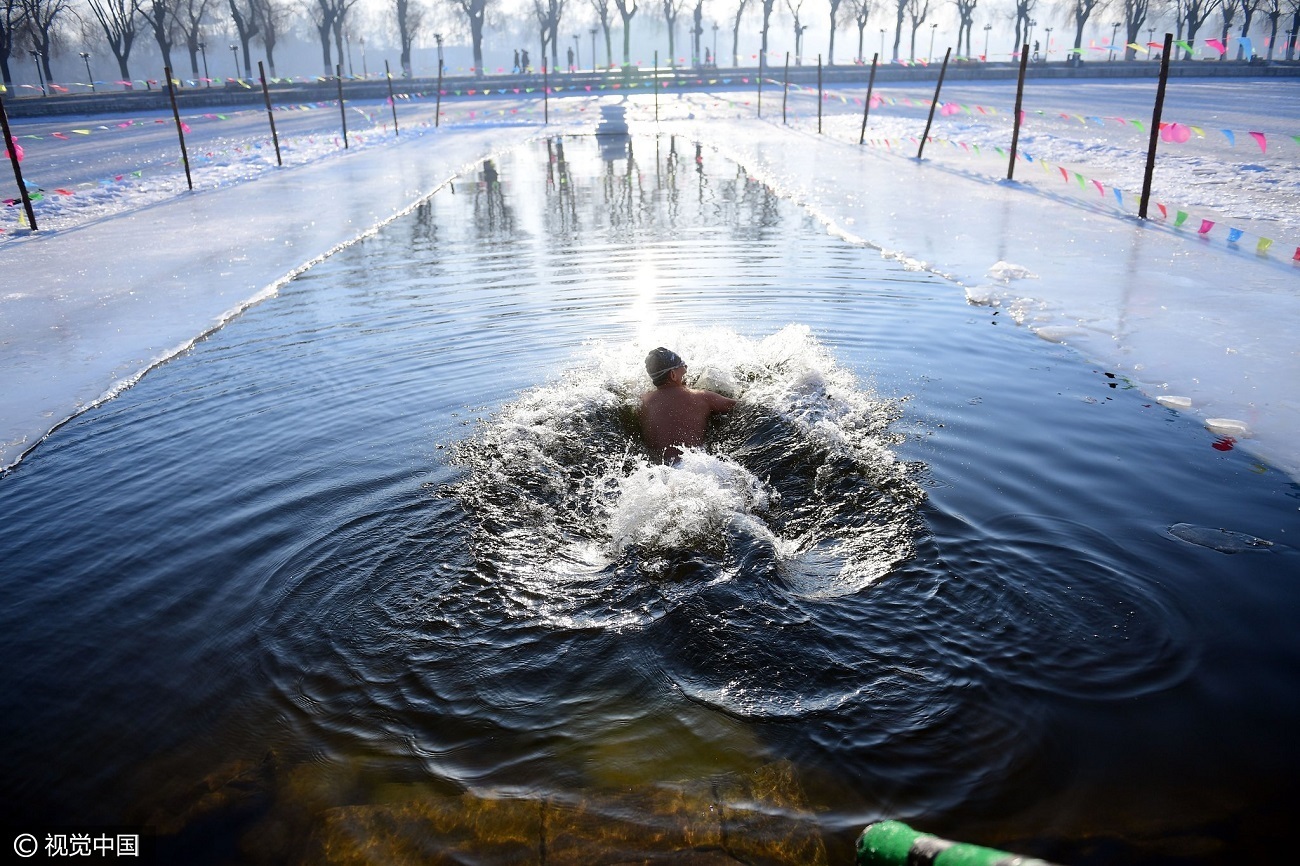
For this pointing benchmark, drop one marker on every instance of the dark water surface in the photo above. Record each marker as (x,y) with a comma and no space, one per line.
(387,543)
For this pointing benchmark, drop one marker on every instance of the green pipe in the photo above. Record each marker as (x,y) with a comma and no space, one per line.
(893,843)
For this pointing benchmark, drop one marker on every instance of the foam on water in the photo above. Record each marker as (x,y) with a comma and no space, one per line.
(799,482)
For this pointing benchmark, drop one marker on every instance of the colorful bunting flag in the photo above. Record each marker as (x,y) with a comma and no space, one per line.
(1206,225)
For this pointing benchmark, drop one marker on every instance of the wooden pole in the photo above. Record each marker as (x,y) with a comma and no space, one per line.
(12,147)
(819,94)
(270,115)
(654,75)
(392,100)
(180,130)
(935,102)
(343,112)
(1020,101)
(866,109)
(785,89)
(1155,126)
(437,105)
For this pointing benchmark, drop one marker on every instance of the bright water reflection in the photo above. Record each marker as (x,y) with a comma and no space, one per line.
(388,540)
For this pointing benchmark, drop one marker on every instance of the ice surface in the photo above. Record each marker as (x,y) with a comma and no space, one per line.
(138,274)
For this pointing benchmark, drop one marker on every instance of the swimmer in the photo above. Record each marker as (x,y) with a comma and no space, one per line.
(673,416)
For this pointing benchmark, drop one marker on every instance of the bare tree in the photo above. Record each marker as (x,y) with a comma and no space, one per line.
(475,12)
(1248,10)
(735,31)
(244,14)
(965,23)
(273,20)
(13,18)
(321,15)
(626,9)
(601,8)
(120,22)
(671,9)
(1295,28)
(697,30)
(344,9)
(861,11)
(835,16)
(1135,15)
(799,28)
(767,22)
(1023,13)
(410,21)
(900,12)
(160,16)
(1195,14)
(917,10)
(43,18)
(190,16)
(549,13)
(1081,11)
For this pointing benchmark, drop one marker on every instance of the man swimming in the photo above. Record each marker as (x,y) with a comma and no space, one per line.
(673,416)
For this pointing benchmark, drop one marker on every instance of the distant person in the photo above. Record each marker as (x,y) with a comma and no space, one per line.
(517,69)
(523,60)
(570,59)
(673,416)
(708,57)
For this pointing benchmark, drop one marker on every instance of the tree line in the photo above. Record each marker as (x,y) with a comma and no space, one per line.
(46,28)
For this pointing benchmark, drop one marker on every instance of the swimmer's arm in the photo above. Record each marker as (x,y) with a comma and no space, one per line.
(719,403)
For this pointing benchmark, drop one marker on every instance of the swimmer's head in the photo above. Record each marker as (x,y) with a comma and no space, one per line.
(660,362)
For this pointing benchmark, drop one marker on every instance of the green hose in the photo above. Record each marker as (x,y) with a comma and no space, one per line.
(893,843)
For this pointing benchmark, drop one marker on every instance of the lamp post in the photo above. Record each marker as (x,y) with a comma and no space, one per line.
(1151,34)
(577,54)
(1114,29)
(715,43)
(1048,52)
(365,71)
(437,37)
(987,28)
(347,41)
(85,57)
(882,42)
(593,48)
(203,49)
(930,57)
(40,76)
(1032,24)
(234,52)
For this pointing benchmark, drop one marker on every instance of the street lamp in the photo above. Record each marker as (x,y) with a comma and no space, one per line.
(1048,52)
(1114,29)
(1151,35)
(933,28)
(365,72)
(1032,24)
(987,28)
(437,37)
(577,54)
(715,44)
(203,49)
(347,40)
(40,77)
(86,59)
(882,42)
(234,52)
(593,48)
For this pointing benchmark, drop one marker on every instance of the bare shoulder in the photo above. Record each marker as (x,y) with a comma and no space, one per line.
(717,402)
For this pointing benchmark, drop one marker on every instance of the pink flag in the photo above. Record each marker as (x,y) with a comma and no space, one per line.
(1259,138)
(1217,45)
(1206,225)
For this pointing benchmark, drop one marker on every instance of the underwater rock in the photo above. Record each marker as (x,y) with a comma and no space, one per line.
(1222,540)
(759,818)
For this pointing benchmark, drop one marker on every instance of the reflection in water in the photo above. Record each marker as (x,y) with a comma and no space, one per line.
(492,215)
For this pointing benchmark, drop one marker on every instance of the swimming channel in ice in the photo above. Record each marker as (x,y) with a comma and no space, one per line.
(799,483)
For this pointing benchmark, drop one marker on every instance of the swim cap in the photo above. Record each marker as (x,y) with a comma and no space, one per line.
(661,360)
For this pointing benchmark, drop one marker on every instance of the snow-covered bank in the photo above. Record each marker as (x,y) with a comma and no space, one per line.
(87,310)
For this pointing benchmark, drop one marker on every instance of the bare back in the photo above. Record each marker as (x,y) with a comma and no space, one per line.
(673,416)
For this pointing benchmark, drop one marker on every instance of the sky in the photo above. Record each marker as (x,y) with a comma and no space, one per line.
(1198,320)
